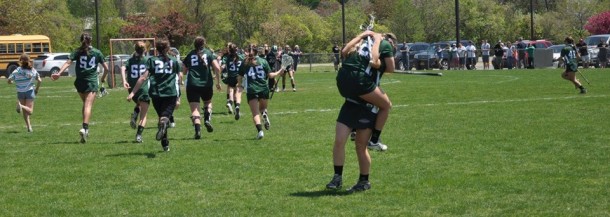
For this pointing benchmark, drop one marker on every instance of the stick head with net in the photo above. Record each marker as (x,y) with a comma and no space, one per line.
(286,61)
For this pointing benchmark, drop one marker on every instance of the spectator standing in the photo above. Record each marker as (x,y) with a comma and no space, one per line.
(461,51)
(521,46)
(471,55)
(498,54)
(584,53)
(404,52)
(530,55)
(453,57)
(336,51)
(485,47)
(296,56)
(510,54)
(602,55)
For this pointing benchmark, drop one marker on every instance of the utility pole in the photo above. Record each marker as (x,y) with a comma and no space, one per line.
(457,21)
(532,20)
(343,19)
(97,25)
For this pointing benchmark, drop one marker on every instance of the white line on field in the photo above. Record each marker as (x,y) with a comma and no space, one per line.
(218,116)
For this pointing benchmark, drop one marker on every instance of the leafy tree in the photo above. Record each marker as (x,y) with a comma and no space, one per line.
(599,23)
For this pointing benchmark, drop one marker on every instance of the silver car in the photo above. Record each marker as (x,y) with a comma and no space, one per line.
(50,63)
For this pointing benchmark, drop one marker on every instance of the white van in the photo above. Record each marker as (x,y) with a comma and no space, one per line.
(592,42)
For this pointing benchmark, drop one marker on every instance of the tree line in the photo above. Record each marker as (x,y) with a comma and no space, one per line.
(312,24)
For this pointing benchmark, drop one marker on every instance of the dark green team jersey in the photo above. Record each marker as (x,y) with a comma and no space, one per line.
(134,69)
(232,67)
(568,53)
(256,76)
(385,50)
(86,65)
(199,72)
(163,76)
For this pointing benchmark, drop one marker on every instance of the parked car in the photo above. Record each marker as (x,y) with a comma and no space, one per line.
(429,58)
(50,63)
(592,42)
(557,54)
(542,43)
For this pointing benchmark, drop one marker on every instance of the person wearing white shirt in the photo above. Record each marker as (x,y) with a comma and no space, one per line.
(510,58)
(485,48)
(471,56)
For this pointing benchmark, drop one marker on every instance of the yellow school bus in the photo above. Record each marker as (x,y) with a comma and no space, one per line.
(12,46)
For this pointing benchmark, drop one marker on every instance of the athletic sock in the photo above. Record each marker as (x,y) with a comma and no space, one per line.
(206,114)
(140,129)
(197,127)
(339,170)
(375,136)
(363,177)
(230,102)
(171,119)
(136,110)
(86,126)
(259,128)
(237,105)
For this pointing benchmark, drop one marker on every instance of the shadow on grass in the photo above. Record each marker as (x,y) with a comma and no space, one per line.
(321,193)
(148,155)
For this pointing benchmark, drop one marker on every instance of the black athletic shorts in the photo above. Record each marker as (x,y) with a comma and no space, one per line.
(164,106)
(258,95)
(357,116)
(193,93)
(84,86)
(354,84)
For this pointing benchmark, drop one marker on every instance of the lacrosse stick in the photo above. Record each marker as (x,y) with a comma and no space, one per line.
(583,76)
(287,62)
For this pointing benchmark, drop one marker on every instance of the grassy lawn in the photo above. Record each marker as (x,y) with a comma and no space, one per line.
(469,143)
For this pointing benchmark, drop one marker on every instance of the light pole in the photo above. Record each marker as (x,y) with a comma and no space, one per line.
(343,18)
(532,20)
(97,25)
(457,21)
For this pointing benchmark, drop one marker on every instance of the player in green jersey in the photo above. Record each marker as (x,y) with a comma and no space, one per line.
(136,66)
(198,66)
(353,81)
(231,63)
(162,72)
(87,59)
(255,72)
(569,54)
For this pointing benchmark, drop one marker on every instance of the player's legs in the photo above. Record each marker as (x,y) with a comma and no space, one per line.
(88,98)
(196,118)
(237,101)
(207,115)
(256,116)
(291,74)
(381,100)
(27,108)
(364,159)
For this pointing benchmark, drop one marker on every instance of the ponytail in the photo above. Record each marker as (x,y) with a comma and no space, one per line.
(162,47)
(139,48)
(199,46)
(85,47)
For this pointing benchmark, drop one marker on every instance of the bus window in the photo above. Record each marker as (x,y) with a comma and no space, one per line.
(11,48)
(28,48)
(2,48)
(37,48)
(46,47)
(19,48)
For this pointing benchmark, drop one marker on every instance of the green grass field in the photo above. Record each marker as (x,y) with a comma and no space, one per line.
(469,143)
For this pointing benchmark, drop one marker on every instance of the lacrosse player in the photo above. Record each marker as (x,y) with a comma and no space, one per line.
(569,55)
(199,64)
(288,50)
(162,72)
(256,71)
(87,59)
(136,66)
(231,63)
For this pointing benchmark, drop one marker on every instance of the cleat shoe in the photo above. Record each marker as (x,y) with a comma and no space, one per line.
(19,108)
(165,145)
(30,129)
(583,90)
(360,186)
(377,146)
(294,90)
(266,120)
(336,183)
(197,134)
(237,115)
(352,136)
(83,135)
(133,120)
(162,129)
(260,135)
(208,126)
(230,108)
(172,124)
(138,138)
